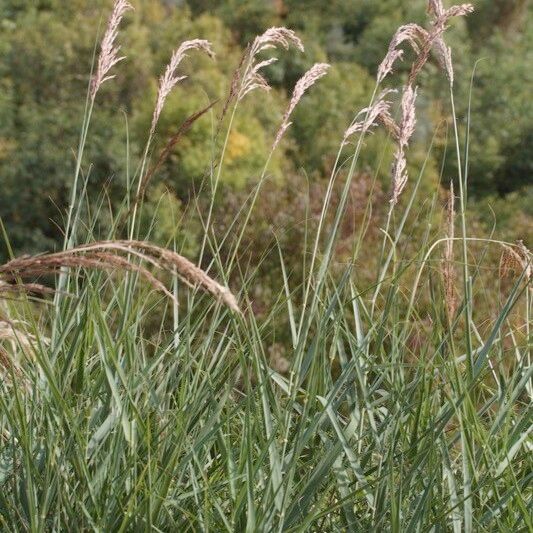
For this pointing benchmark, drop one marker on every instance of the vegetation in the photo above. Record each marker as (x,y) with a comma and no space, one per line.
(352,351)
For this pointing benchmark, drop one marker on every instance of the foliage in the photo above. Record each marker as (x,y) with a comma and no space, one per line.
(47,50)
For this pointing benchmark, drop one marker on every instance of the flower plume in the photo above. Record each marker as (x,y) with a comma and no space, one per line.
(272,38)
(414,34)
(406,130)
(170,78)
(316,72)
(516,259)
(435,40)
(276,36)
(116,256)
(423,41)
(109,50)
(377,112)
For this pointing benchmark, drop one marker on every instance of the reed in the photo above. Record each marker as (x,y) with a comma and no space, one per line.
(348,404)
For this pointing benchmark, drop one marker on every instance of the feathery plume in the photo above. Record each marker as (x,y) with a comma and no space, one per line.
(458,11)
(526,258)
(11,332)
(379,111)
(406,130)
(389,123)
(170,78)
(18,340)
(423,41)
(414,34)
(444,57)
(448,271)
(165,153)
(115,255)
(510,261)
(407,126)
(442,15)
(435,40)
(276,36)
(316,72)
(399,176)
(233,89)
(272,38)
(108,49)
(516,259)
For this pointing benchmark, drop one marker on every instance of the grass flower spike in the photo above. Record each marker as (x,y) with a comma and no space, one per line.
(414,34)
(272,38)
(170,78)
(406,130)
(109,50)
(378,112)
(316,72)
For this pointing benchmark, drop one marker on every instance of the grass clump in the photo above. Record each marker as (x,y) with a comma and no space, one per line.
(350,404)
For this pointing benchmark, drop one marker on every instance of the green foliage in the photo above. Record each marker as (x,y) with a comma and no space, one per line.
(47,49)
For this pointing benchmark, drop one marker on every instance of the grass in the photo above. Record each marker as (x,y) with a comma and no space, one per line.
(395,415)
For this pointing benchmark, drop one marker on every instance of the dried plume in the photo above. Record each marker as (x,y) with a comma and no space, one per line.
(389,123)
(516,259)
(435,41)
(27,288)
(116,255)
(109,50)
(423,41)
(316,72)
(379,111)
(448,270)
(437,9)
(407,126)
(170,78)
(527,256)
(14,340)
(414,34)
(444,57)
(399,175)
(272,38)
(12,331)
(406,130)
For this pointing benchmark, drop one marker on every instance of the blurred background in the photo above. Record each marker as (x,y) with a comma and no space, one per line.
(46,51)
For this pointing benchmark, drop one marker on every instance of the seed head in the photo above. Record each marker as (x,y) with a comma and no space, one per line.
(109,57)
(316,72)
(406,130)
(414,34)
(380,110)
(272,38)
(170,78)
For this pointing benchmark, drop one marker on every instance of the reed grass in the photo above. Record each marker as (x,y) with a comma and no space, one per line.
(397,407)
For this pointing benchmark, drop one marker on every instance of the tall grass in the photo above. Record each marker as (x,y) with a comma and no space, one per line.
(399,412)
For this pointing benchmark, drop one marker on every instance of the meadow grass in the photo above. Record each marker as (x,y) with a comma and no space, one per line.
(403,409)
